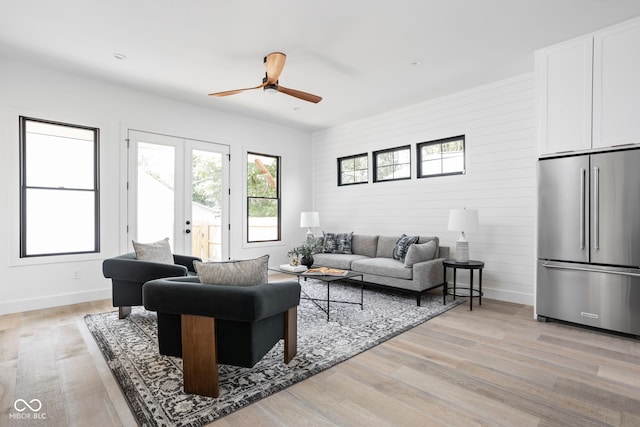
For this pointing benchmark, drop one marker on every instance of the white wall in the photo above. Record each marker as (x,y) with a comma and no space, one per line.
(45,93)
(498,121)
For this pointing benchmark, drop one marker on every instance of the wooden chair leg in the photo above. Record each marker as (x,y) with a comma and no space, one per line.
(199,355)
(290,334)
(123,312)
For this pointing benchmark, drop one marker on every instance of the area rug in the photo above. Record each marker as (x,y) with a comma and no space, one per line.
(152,384)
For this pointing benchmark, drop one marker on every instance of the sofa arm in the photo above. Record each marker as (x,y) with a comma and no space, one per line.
(134,270)
(429,274)
(186,295)
(186,260)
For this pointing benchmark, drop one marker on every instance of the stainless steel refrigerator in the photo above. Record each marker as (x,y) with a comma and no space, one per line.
(589,240)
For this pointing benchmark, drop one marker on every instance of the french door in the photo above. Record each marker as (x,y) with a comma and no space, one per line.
(179,188)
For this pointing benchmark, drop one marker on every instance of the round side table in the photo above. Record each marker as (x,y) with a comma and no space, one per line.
(469,265)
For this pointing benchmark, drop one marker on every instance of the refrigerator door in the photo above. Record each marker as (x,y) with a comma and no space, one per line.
(602,297)
(615,210)
(563,217)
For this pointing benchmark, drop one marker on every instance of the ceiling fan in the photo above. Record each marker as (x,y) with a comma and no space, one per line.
(274,62)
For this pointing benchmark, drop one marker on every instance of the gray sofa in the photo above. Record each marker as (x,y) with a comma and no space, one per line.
(373,257)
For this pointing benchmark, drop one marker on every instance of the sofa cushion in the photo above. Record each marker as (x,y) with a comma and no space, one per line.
(385,246)
(238,273)
(342,261)
(419,252)
(159,251)
(364,245)
(337,243)
(425,239)
(382,267)
(402,246)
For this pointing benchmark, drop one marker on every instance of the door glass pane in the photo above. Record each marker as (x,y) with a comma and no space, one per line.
(206,205)
(156,192)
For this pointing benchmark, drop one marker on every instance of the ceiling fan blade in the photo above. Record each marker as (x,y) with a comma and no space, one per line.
(274,62)
(233,92)
(300,94)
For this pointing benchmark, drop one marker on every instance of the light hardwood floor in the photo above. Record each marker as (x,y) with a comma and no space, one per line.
(492,366)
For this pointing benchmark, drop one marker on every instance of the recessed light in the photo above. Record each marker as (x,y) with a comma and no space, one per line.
(416,62)
(120,56)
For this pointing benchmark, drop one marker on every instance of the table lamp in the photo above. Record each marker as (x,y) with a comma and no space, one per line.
(463,220)
(309,220)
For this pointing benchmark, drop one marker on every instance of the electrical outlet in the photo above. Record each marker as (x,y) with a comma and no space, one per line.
(75,275)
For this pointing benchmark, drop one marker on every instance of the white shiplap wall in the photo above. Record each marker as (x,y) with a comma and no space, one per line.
(498,121)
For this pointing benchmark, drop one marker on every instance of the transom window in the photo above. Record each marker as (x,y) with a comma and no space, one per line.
(263,198)
(59,197)
(392,164)
(441,157)
(353,169)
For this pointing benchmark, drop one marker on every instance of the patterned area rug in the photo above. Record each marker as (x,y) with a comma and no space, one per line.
(152,383)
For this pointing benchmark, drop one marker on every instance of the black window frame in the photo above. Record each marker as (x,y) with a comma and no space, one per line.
(22,127)
(340,172)
(387,150)
(442,141)
(278,198)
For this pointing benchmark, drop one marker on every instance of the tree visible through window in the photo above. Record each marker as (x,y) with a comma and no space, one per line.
(353,169)
(392,164)
(263,198)
(441,157)
(59,198)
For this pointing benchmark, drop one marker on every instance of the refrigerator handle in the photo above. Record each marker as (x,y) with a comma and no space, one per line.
(596,208)
(583,208)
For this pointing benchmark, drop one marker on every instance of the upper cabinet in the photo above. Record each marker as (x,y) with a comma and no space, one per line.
(588,91)
(616,86)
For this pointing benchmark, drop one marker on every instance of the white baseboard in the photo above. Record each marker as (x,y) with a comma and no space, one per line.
(508,296)
(28,304)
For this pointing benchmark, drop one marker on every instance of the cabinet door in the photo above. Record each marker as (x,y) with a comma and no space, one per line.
(564,74)
(616,86)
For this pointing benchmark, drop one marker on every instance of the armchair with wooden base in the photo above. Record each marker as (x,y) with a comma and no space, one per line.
(210,324)
(128,274)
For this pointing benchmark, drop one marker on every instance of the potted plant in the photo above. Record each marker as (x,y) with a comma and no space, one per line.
(305,252)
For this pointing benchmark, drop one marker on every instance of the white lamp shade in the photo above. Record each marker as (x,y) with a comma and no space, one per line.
(309,219)
(463,220)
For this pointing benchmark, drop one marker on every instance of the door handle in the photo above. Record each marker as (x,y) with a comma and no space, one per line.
(582,208)
(596,208)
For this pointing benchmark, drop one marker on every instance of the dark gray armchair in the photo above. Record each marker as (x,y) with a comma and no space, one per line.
(211,324)
(128,274)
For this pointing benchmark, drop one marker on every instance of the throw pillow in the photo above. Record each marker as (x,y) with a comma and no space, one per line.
(159,251)
(419,252)
(337,243)
(402,246)
(237,273)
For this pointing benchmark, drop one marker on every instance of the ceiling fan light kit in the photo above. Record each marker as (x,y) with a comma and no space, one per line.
(274,63)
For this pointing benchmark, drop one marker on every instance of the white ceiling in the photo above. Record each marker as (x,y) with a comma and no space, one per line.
(356,54)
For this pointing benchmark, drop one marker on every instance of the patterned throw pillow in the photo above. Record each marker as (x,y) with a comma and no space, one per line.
(419,252)
(159,251)
(402,246)
(337,243)
(237,273)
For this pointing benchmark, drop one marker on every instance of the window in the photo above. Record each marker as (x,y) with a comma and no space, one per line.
(263,198)
(59,197)
(392,164)
(353,169)
(441,157)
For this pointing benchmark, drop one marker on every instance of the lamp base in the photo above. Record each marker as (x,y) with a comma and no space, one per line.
(462,251)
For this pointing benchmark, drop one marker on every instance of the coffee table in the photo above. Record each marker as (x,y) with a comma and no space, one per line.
(328,280)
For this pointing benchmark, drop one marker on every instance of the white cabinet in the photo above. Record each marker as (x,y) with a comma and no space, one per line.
(564,80)
(588,91)
(616,86)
